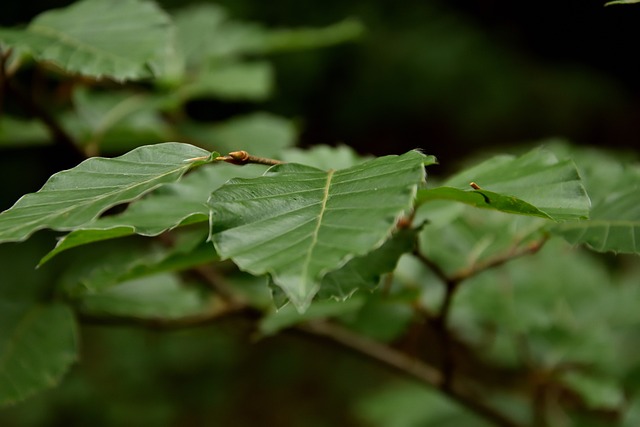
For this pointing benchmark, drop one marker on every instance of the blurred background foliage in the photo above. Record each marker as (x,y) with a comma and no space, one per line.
(454,78)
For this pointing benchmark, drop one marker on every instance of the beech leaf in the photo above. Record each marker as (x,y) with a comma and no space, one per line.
(75,197)
(298,223)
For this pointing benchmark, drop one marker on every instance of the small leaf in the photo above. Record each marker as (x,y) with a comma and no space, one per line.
(364,272)
(481,199)
(37,346)
(298,223)
(533,184)
(158,296)
(72,198)
(94,38)
(16,132)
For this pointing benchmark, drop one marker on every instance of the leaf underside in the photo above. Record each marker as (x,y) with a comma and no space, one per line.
(72,198)
(298,223)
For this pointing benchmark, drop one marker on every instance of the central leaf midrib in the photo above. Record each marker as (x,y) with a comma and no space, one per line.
(316,231)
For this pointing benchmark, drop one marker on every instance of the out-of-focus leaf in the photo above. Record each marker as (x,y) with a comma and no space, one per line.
(94,38)
(411,405)
(37,346)
(614,225)
(621,2)
(324,157)
(158,296)
(107,265)
(22,133)
(533,184)
(261,134)
(75,197)
(167,207)
(298,223)
(251,81)
(383,317)
(598,393)
(205,32)
(288,316)
(115,121)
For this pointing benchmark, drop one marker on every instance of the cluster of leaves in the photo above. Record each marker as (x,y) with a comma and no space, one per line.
(172,234)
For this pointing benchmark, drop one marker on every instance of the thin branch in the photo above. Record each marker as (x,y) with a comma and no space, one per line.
(216,313)
(244,158)
(406,365)
(499,260)
(59,135)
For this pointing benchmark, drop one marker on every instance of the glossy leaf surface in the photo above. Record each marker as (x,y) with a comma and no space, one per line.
(298,223)
(72,198)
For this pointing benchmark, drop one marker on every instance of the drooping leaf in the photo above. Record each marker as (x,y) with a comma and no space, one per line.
(206,32)
(364,272)
(107,265)
(481,199)
(72,198)
(536,183)
(298,223)
(158,296)
(97,38)
(37,346)
(167,207)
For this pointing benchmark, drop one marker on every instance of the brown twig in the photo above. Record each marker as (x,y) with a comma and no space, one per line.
(244,158)
(405,364)
(59,135)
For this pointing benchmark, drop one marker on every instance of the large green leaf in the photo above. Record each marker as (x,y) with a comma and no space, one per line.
(298,223)
(72,198)
(536,183)
(98,37)
(169,206)
(37,346)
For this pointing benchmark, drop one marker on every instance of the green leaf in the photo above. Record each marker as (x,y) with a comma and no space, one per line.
(75,197)
(252,81)
(288,316)
(98,39)
(37,346)
(298,223)
(481,199)
(535,183)
(16,132)
(621,2)
(261,134)
(614,225)
(324,157)
(598,392)
(364,272)
(158,296)
(169,206)
(206,32)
